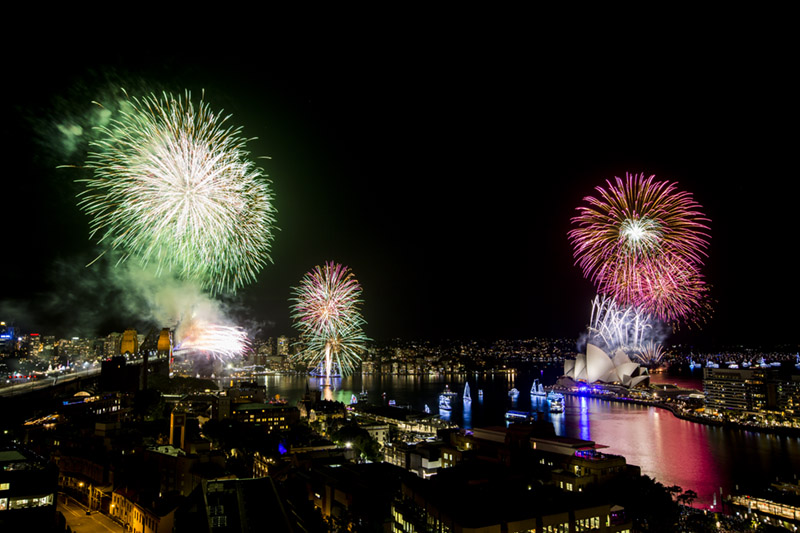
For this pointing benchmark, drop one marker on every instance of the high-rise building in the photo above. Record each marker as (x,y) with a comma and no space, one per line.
(33,344)
(283,345)
(788,392)
(48,347)
(8,338)
(739,389)
(111,345)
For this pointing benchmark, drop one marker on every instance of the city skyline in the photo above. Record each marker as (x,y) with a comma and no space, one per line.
(449,190)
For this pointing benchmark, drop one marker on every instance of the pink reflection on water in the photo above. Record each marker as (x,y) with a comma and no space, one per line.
(673,451)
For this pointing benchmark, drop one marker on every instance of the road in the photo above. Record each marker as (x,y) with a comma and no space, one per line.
(13,389)
(80,522)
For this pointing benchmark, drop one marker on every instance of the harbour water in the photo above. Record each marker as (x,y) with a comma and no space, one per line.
(702,458)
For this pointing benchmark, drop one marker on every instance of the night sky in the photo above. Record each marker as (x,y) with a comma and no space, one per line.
(445,178)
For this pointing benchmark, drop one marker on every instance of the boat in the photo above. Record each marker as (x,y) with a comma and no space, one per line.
(427,409)
(448,392)
(467,397)
(353,399)
(556,402)
(444,403)
(513,393)
(445,398)
(537,389)
(517,416)
(362,396)
(480,393)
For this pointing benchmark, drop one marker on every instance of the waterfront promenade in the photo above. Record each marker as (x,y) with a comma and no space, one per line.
(682,411)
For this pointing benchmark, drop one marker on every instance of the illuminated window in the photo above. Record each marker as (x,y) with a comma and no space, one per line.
(5,486)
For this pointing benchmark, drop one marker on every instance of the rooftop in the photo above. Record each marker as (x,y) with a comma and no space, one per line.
(14,459)
(261,406)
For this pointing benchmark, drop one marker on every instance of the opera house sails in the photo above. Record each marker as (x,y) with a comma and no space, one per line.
(596,366)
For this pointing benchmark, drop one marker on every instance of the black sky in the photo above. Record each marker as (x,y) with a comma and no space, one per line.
(446,178)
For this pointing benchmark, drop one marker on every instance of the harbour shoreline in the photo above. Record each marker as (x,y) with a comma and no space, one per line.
(782,431)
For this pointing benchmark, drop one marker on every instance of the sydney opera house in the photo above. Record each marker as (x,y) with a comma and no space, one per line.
(596,366)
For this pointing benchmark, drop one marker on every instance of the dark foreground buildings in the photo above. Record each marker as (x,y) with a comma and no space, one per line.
(28,490)
(235,461)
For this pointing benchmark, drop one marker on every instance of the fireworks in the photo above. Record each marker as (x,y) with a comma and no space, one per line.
(642,242)
(172,185)
(613,327)
(217,341)
(326,311)
(672,289)
(650,354)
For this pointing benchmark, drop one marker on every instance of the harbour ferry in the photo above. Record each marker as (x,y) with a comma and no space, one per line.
(556,402)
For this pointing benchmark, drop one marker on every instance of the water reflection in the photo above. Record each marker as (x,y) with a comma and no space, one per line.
(673,451)
(584,419)
(467,414)
(557,420)
(539,404)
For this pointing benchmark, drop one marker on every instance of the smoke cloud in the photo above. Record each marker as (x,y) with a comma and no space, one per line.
(110,295)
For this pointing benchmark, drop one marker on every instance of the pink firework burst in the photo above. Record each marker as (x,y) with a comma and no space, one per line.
(327,299)
(643,242)
(326,309)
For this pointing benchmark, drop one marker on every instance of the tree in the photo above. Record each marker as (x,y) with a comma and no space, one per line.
(648,503)
(359,439)
(701,523)
(674,490)
(687,498)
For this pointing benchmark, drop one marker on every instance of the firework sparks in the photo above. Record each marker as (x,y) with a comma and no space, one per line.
(220,342)
(172,185)
(613,327)
(650,354)
(642,242)
(326,308)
